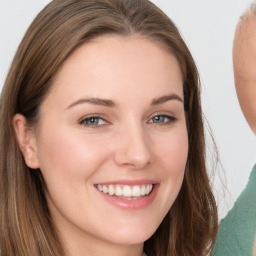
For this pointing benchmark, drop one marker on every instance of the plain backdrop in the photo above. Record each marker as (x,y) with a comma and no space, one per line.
(208,28)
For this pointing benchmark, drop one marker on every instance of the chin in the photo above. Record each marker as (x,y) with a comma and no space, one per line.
(129,236)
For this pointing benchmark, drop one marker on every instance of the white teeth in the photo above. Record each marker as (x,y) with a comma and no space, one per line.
(143,190)
(105,189)
(118,191)
(136,191)
(148,189)
(100,188)
(126,191)
(111,190)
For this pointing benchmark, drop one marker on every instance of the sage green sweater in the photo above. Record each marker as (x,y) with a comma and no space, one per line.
(237,231)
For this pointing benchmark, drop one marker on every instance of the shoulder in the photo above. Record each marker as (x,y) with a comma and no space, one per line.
(237,230)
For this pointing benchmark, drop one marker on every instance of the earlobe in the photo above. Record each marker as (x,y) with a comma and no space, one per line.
(27,141)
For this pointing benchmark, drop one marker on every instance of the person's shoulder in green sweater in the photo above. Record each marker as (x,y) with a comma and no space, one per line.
(237,230)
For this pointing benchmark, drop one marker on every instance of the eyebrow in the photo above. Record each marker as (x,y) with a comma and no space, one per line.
(110,103)
(94,101)
(166,98)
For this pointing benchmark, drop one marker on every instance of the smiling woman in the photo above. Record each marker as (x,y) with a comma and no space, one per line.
(102,141)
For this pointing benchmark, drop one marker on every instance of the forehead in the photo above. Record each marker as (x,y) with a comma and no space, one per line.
(246,29)
(244,48)
(115,45)
(112,59)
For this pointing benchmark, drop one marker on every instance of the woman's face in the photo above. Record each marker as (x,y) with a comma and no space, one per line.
(112,141)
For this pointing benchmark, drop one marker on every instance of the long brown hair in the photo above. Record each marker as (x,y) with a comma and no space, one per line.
(190,226)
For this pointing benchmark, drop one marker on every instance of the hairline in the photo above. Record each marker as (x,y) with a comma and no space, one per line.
(249,10)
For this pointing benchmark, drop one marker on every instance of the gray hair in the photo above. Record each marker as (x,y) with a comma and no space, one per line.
(250,10)
(253,7)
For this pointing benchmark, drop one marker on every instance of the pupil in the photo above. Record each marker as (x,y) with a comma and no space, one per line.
(92,121)
(159,119)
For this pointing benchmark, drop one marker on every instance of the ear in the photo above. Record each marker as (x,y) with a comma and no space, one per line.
(27,141)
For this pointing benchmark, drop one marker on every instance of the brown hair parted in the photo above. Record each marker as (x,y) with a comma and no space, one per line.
(26,227)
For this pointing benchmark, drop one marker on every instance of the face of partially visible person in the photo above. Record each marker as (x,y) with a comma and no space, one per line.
(111,141)
(244,60)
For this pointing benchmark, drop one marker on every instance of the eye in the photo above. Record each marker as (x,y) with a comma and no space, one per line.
(92,121)
(162,119)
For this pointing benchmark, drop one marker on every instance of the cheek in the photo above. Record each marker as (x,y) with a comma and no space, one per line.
(172,158)
(70,156)
(173,152)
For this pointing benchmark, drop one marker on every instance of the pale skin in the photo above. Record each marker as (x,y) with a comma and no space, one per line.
(244,62)
(116,113)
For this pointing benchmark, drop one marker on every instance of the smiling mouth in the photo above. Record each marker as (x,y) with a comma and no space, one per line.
(126,191)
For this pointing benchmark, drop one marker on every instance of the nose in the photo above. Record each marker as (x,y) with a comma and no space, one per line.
(133,149)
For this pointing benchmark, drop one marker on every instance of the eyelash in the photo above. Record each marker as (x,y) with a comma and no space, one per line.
(84,121)
(170,119)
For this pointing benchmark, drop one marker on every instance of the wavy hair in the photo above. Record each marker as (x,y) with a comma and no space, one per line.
(190,227)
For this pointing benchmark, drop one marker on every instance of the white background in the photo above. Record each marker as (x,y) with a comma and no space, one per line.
(208,29)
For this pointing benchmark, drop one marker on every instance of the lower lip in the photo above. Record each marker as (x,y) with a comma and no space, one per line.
(132,204)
